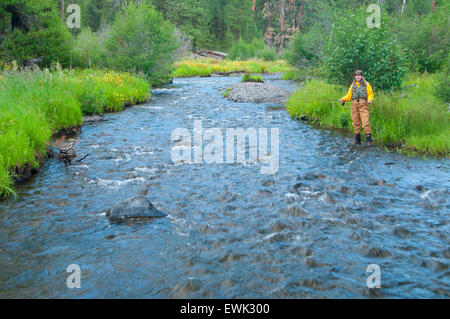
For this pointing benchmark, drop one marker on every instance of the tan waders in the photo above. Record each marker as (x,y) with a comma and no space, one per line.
(359,111)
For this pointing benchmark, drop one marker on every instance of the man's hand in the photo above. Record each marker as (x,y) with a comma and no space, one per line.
(342,101)
(369,102)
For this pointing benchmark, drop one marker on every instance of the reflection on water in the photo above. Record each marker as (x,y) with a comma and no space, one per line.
(310,231)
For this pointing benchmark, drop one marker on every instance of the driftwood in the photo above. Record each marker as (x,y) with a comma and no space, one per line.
(67,151)
(32,63)
(211,54)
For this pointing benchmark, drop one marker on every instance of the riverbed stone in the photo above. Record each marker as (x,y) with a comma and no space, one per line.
(136,208)
(93,119)
(378,252)
(257,92)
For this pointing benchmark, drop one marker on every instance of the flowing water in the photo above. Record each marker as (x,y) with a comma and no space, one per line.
(309,231)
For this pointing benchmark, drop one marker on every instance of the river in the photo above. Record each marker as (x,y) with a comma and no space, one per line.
(308,231)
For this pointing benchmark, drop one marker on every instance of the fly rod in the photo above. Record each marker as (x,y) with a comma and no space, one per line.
(307,100)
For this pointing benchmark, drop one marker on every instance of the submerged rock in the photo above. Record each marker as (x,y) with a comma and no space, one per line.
(93,119)
(378,252)
(257,92)
(137,208)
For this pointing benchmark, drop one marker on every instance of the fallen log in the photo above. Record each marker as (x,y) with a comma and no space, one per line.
(211,54)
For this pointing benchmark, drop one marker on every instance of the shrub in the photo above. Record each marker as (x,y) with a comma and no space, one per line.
(354,46)
(305,49)
(36,31)
(88,50)
(252,78)
(151,50)
(242,50)
(442,85)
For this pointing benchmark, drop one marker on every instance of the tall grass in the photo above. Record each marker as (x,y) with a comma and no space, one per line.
(206,67)
(252,78)
(36,104)
(413,120)
(241,51)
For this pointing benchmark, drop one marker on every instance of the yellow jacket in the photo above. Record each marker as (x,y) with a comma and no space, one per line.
(370,94)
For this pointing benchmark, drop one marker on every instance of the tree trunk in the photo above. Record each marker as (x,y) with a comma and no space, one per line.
(282,25)
(300,16)
(433,5)
(62,9)
(403,6)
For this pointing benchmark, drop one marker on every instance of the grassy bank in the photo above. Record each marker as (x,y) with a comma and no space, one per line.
(413,121)
(35,105)
(206,67)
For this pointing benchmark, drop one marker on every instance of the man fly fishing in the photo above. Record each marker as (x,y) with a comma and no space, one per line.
(361,94)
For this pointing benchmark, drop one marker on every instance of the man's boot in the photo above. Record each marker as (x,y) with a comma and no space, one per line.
(369,140)
(357,139)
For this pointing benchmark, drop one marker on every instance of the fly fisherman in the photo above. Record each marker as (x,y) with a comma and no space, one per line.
(361,94)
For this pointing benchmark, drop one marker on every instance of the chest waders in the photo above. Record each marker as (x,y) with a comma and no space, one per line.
(360,113)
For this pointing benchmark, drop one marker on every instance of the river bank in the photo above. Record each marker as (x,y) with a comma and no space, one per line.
(207,66)
(413,121)
(38,105)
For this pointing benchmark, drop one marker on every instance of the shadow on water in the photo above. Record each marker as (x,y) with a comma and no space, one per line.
(309,231)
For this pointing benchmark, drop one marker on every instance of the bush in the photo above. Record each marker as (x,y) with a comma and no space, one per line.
(252,78)
(354,46)
(425,40)
(442,85)
(151,50)
(241,51)
(36,31)
(88,50)
(305,49)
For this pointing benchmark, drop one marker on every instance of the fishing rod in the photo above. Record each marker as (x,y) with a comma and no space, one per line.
(320,100)
(311,100)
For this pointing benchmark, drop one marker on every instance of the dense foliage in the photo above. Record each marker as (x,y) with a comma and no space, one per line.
(142,41)
(353,46)
(31,29)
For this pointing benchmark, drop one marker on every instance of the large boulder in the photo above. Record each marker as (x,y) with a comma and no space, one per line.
(257,92)
(136,208)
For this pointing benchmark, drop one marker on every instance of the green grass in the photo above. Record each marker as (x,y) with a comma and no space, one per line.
(252,78)
(413,121)
(206,67)
(35,105)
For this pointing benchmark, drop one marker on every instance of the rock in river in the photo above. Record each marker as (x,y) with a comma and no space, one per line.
(138,208)
(257,92)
